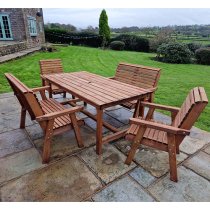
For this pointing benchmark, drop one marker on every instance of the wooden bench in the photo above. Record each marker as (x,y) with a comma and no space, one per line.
(52,116)
(51,66)
(167,137)
(140,76)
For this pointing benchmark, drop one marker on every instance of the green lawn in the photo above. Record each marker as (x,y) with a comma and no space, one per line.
(175,82)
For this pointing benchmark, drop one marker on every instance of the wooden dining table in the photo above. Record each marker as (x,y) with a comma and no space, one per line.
(100,92)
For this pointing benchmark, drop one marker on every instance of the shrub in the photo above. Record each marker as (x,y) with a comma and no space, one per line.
(117,45)
(133,42)
(203,55)
(174,53)
(193,46)
(80,38)
(164,36)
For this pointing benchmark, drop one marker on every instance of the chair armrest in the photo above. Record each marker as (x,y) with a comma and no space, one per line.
(162,107)
(54,115)
(38,89)
(111,77)
(159,126)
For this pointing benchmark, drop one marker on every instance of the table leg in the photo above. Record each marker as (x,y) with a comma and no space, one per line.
(99,131)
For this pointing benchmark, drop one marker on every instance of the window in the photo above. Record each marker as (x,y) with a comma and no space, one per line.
(5,28)
(32,26)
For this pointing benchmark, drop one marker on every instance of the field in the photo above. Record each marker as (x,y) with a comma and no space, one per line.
(175,82)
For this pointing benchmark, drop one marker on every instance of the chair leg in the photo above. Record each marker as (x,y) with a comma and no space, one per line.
(172,157)
(64,94)
(23,118)
(47,141)
(76,130)
(135,144)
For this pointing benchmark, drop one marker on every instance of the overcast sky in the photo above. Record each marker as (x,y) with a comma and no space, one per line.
(81,18)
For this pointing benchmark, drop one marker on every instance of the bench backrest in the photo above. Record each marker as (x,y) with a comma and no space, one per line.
(191,109)
(51,66)
(25,96)
(140,76)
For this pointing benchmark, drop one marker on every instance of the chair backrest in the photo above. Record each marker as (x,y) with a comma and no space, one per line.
(191,109)
(140,76)
(25,96)
(51,66)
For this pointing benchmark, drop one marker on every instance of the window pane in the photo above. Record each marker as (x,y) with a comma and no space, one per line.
(6,27)
(1,34)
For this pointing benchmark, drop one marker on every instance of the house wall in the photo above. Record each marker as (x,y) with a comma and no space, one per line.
(17,23)
(34,41)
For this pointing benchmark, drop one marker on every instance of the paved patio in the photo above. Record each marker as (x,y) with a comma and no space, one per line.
(76,174)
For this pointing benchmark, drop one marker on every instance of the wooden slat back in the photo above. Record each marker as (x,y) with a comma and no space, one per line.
(191,109)
(51,66)
(25,96)
(140,76)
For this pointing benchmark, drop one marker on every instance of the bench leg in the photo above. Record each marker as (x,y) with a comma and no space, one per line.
(64,95)
(23,118)
(76,130)
(135,145)
(172,157)
(47,141)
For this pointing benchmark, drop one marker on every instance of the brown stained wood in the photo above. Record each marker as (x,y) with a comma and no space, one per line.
(164,137)
(135,144)
(96,90)
(76,130)
(99,131)
(140,76)
(23,118)
(51,66)
(47,141)
(52,116)
(114,136)
(172,156)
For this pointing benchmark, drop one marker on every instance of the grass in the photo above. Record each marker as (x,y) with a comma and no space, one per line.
(175,82)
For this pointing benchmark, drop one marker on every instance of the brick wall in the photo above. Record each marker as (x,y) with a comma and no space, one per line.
(17,23)
(8,49)
(34,41)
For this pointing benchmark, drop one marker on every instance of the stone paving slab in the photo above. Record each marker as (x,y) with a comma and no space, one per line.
(13,141)
(154,161)
(190,187)
(6,95)
(65,144)
(109,165)
(191,145)
(207,150)
(142,177)
(200,163)
(122,115)
(35,131)
(9,105)
(66,180)
(19,164)
(200,134)
(123,190)
(92,124)
(11,122)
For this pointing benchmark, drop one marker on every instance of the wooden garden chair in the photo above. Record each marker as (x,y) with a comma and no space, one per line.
(167,137)
(140,76)
(51,115)
(52,66)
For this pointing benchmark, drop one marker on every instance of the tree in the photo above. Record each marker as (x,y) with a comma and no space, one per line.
(104,29)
